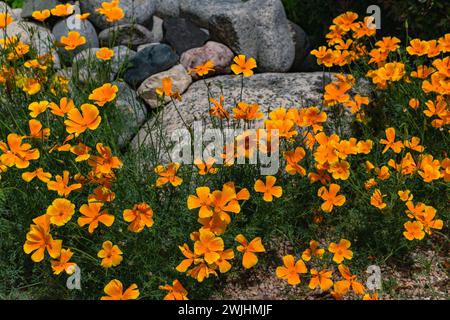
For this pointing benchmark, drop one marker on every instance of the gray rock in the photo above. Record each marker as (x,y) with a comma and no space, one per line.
(183,35)
(29,6)
(14,13)
(181,80)
(157,30)
(269,90)
(148,62)
(147,45)
(40,38)
(218,53)
(168,8)
(256,28)
(17,14)
(136,11)
(129,112)
(304,61)
(131,35)
(83,27)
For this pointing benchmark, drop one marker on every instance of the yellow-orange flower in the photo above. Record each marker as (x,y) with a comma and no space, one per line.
(168,175)
(321,279)
(61,185)
(140,216)
(249,259)
(243,66)
(350,281)
(417,47)
(5,20)
(62,10)
(72,41)
(111,11)
(167,90)
(331,197)
(390,142)
(114,291)
(60,212)
(291,269)
(40,240)
(16,153)
(341,250)
(248,112)
(209,246)
(203,69)
(63,263)
(78,122)
(268,188)
(104,54)
(38,173)
(37,108)
(414,230)
(110,254)
(92,215)
(313,251)
(176,291)
(104,94)
(41,15)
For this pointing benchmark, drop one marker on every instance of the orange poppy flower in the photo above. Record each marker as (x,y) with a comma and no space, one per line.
(268,189)
(190,256)
(17,154)
(222,263)
(61,185)
(203,200)
(324,56)
(168,175)
(390,142)
(81,151)
(110,254)
(349,282)
(291,269)
(247,112)
(40,240)
(203,69)
(313,251)
(104,94)
(414,230)
(243,66)
(340,170)
(368,296)
(114,291)
(218,109)
(92,215)
(377,199)
(105,162)
(428,221)
(63,263)
(5,20)
(104,54)
(331,197)
(166,91)
(327,151)
(201,272)
(64,107)
(36,130)
(83,16)
(405,195)
(63,10)
(388,44)
(321,279)
(140,216)
(60,212)
(225,201)
(209,246)
(347,21)
(78,122)
(249,259)
(341,250)
(206,167)
(293,158)
(72,41)
(429,168)
(176,291)
(38,173)
(337,93)
(37,108)
(417,47)
(414,144)
(111,11)
(41,15)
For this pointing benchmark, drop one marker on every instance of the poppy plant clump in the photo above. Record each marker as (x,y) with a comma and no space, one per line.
(363,174)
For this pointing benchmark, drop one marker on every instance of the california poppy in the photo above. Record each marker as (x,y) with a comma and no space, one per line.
(114,291)
(249,259)
(291,269)
(268,189)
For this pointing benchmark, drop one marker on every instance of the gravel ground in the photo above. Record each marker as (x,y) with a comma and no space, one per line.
(426,277)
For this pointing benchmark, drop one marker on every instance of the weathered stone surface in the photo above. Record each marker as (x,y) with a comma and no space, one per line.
(218,53)
(29,6)
(181,80)
(130,113)
(136,11)
(36,36)
(183,35)
(157,30)
(148,62)
(269,90)
(83,27)
(257,28)
(14,13)
(167,8)
(304,61)
(147,45)
(131,35)
(118,62)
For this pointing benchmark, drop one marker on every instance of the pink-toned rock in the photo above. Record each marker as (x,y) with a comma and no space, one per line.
(218,53)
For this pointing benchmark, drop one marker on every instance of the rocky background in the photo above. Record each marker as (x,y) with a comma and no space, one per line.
(166,38)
